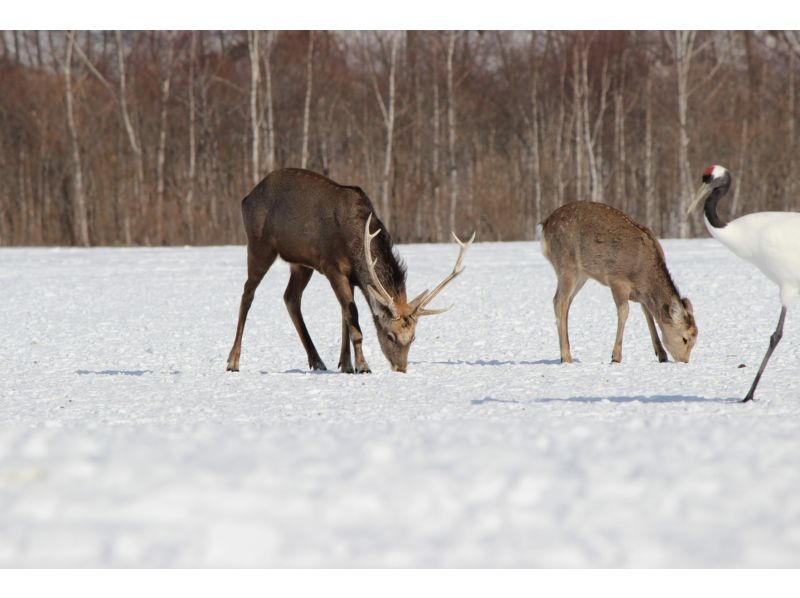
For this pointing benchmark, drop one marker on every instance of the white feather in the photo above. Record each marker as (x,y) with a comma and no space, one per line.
(771,242)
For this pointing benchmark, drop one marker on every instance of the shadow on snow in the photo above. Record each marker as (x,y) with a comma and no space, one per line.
(483,362)
(641,399)
(113,372)
(630,399)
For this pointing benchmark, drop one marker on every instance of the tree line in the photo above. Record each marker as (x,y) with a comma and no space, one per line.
(154,137)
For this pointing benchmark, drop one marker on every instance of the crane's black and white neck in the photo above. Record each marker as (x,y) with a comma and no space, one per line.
(716,183)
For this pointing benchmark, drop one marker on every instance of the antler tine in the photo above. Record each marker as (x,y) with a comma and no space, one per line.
(432,312)
(457,269)
(381,294)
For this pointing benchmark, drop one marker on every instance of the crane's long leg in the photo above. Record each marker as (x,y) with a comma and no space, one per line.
(773,342)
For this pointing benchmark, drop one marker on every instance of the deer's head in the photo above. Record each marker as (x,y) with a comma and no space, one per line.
(395,318)
(678,328)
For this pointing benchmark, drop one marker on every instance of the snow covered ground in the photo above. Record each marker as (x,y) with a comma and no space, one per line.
(123,441)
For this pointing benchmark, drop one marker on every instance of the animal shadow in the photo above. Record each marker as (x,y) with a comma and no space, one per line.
(496,362)
(640,399)
(113,372)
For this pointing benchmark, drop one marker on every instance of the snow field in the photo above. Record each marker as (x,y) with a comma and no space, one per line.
(123,441)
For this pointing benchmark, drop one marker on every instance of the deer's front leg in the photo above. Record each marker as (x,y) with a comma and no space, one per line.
(651,326)
(344,293)
(345,361)
(621,294)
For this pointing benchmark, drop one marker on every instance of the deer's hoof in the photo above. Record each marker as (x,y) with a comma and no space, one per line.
(318,366)
(363,369)
(232,368)
(346,368)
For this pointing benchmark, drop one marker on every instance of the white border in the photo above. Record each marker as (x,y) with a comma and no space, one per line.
(400,583)
(401,14)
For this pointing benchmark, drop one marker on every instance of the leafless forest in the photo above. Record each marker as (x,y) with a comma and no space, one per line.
(153,137)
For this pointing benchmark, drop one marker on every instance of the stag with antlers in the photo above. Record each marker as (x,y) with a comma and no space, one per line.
(313,223)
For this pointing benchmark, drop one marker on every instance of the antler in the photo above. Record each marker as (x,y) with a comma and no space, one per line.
(426,297)
(378,292)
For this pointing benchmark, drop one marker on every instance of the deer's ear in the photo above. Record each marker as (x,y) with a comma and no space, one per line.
(377,296)
(676,310)
(688,305)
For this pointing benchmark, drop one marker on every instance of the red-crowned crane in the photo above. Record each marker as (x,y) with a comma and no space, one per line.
(769,240)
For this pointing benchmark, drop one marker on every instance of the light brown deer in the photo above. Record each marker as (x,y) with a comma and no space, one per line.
(586,240)
(316,224)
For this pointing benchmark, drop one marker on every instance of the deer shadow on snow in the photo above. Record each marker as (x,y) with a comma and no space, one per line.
(639,399)
(615,399)
(495,362)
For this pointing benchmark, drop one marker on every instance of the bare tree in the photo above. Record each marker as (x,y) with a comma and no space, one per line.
(435,152)
(388,112)
(684,51)
(307,104)
(133,139)
(162,138)
(252,45)
(592,129)
(269,136)
(452,164)
(188,208)
(649,191)
(80,220)
(533,131)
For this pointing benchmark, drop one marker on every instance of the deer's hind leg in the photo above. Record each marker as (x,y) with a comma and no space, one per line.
(257,266)
(298,280)
(569,283)
(651,326)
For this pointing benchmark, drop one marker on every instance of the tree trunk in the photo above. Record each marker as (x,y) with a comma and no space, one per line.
(535,216)
(188,209)
(649,193)
(80,221)
(592,132)
(683,46)
(132,137)
(437,216)
(270,124)
(162,143)
(252,45)
(388,121)
(307,105)
(577,109)
(559,145)
(451,132)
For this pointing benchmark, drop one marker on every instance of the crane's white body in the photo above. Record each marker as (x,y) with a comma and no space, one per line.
(768,240)
(771,242)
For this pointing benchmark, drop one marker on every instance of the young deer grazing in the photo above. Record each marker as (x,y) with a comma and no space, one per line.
(316,224)
(593,240)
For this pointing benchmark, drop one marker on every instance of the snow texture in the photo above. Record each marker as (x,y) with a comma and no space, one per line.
(124,443)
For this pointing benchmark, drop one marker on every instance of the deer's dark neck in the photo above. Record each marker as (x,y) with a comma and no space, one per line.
(389,268)
(710,207)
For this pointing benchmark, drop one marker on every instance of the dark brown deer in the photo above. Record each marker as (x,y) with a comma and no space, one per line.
(586,240)
(316,224)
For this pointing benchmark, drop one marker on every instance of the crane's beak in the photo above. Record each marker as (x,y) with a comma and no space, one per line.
(702,193)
